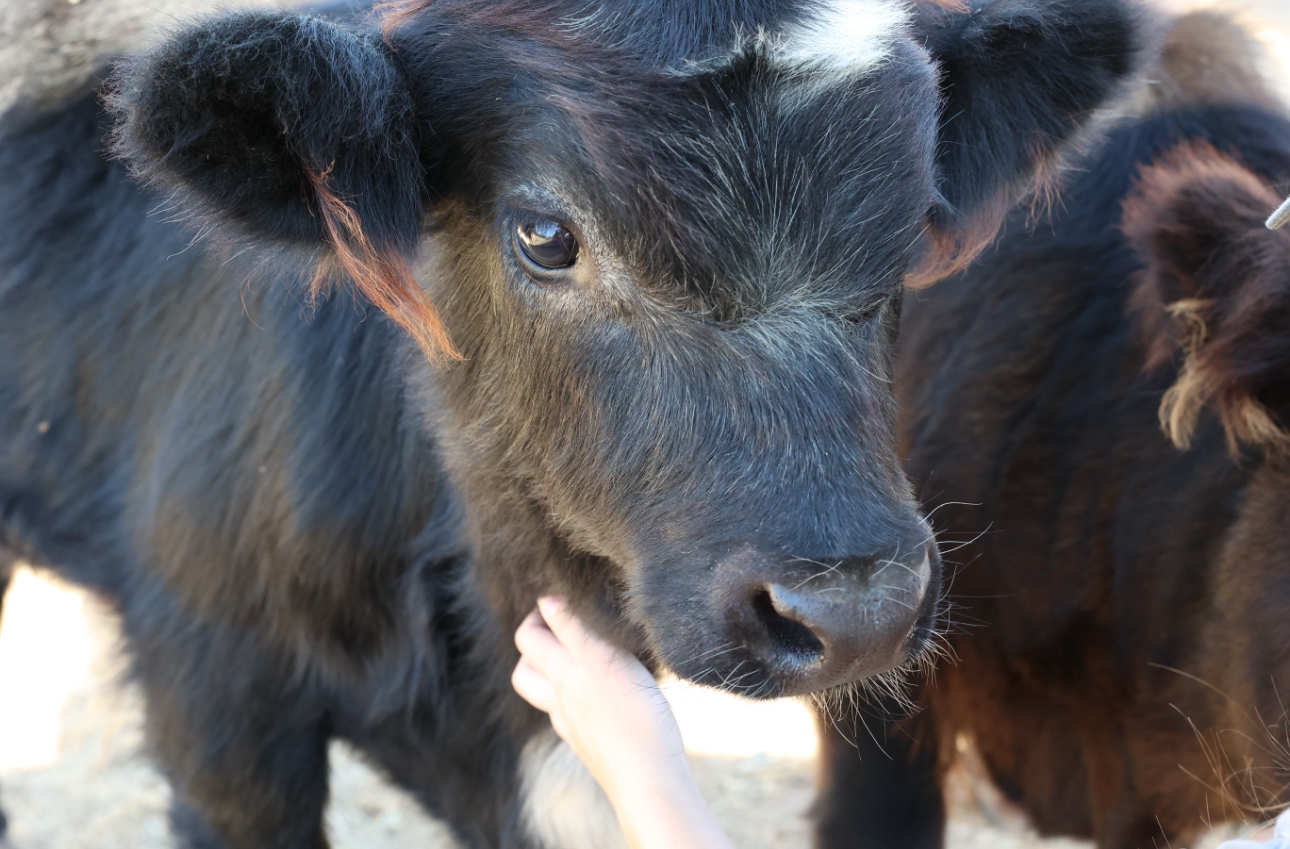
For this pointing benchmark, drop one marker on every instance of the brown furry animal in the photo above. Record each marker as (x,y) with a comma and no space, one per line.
(1123,600)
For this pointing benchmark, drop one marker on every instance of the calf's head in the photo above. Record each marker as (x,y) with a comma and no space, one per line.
(1214,294)
(664,244)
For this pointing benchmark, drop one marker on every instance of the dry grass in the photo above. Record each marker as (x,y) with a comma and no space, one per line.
(73,775)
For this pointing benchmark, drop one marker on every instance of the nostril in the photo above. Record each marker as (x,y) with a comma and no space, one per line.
(786,633)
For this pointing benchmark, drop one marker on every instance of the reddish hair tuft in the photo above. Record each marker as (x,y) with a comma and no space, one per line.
(382,277)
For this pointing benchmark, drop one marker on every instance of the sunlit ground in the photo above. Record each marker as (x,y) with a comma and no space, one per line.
(52,647)
(72,773)
(45,653)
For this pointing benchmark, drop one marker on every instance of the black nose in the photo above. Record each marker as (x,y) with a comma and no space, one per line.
(836,621)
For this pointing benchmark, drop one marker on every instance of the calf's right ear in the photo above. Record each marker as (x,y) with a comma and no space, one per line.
(1019,79)
(1215,290)
(287,129)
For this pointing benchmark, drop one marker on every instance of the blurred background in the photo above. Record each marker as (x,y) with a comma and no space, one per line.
(72,771)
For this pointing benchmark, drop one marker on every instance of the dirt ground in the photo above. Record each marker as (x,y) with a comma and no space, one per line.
(72,775)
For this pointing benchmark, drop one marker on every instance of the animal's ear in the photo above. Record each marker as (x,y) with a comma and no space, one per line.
(1215,288)
(1019,78)
(290,129)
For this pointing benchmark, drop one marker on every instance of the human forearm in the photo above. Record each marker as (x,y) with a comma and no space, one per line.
(664,809)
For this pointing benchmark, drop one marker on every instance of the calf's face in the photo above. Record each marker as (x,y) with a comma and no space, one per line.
(667,259)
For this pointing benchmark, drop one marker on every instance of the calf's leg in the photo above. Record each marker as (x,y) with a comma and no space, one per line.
(242,739)
(511,785)
(879,785)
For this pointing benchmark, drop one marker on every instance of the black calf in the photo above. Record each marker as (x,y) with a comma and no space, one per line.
(654,255)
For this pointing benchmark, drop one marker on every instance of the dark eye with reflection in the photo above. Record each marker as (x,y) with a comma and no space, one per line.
(546,244)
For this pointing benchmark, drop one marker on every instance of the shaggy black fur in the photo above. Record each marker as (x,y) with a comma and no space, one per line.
(1120,600)
(240,112)
(313,531)
(1003,54)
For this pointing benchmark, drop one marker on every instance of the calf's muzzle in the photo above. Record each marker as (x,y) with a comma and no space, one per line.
(811,625)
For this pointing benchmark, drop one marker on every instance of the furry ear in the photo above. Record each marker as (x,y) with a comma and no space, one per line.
(290,129)
(1215,287)
(1019,78)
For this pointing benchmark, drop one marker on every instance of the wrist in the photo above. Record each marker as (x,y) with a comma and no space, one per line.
(665,808)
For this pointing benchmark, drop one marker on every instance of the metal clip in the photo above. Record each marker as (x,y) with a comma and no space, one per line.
(1280,218)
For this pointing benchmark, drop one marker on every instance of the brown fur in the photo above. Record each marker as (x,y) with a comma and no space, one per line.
(951,251)
(1215,280)
(395,13)
(1207,57)
(1118,606)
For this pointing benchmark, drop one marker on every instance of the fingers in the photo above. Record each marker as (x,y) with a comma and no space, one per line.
(540,647)
(582,647)
(580,643)
(555,611)
(533,687)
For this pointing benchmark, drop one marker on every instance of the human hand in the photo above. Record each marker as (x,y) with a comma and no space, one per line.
(602,701)
(607,706)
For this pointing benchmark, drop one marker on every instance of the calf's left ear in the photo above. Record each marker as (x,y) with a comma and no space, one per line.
(1215,290)
(248,115)
(1019,79)
(289,129)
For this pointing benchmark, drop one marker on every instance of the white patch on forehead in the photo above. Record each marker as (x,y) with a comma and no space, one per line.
(832,41)
(563,806)
(841,37)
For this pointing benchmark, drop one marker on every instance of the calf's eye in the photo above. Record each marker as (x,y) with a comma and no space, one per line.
(546,244)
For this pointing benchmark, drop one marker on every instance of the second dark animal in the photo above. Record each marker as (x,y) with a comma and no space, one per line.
(1123,657)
